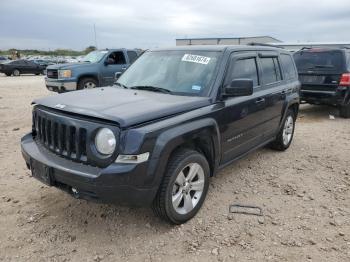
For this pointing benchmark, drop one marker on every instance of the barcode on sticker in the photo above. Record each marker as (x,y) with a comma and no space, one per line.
(196,59)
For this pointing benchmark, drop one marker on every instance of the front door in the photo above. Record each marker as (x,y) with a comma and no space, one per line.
(242,116)
(115,62)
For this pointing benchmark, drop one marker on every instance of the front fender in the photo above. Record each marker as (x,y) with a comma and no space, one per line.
(172,138)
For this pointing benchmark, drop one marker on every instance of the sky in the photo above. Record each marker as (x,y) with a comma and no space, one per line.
(52,24)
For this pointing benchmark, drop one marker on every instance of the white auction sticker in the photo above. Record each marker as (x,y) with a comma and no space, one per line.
(196,59)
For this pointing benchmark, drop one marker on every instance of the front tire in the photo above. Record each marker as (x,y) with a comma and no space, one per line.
(184,187)
(344,111)
(87,83)
(285,135)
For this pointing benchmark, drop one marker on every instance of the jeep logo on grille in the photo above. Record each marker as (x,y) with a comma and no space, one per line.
(60,106)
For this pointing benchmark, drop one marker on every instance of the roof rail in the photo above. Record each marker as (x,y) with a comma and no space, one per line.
(263,44)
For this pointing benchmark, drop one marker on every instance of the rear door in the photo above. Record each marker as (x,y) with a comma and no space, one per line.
(273,92)
(242,116)
(320,70)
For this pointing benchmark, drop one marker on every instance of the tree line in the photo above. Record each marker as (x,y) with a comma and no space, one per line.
(57,52)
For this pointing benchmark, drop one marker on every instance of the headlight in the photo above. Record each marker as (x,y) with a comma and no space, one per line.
(105,141)
(64,73)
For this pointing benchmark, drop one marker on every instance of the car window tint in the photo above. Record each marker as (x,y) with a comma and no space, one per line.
(132,56)
(269,71)
(245,68)
(288,66)
(117,58)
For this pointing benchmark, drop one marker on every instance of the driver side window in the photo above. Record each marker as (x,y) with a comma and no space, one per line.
(116,58)
(244,68)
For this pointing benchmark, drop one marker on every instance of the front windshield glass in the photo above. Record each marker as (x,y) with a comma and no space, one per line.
(94,56)
(180,72)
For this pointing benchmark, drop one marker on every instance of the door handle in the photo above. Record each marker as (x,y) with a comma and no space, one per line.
(124,68)
(260,100)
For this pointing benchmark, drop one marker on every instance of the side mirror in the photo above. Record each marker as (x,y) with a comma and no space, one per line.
(117,75)
(239,87)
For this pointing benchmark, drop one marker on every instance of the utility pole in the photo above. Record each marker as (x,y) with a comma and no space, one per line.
(95,36)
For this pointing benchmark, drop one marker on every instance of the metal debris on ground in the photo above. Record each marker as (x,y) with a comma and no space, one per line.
(246,210)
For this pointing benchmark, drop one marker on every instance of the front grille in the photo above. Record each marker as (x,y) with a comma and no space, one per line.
(52,73)
(59,136)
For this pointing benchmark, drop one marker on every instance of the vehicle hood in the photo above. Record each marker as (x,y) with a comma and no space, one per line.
(69,65)
(125,106)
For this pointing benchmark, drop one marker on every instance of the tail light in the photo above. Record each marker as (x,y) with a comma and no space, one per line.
(345,80)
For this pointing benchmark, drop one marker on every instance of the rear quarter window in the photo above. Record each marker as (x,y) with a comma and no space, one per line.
(288,67)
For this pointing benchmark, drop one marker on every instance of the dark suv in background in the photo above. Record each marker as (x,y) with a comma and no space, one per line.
(173,119)
(325,77)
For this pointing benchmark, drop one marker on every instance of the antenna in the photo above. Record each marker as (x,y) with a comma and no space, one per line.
(95,36)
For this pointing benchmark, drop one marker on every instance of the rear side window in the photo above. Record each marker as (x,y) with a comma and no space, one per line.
(271,72)
(288,67)
(132,56)
(245,68)
(322,60)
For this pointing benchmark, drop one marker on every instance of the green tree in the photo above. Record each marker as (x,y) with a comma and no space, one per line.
(90,49)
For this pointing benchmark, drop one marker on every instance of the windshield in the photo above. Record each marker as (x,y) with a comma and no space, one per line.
(178,72)
(325,60)
(94,56)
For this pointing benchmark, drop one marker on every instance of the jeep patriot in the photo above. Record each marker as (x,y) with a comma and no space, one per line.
(172,120)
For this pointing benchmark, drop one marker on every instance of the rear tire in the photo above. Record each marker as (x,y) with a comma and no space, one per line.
(16,72)
(87,83)
(285,135)
(344,111)
(8,74)
(184,187)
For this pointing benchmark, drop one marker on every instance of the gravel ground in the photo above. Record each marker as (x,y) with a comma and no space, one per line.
(303,192)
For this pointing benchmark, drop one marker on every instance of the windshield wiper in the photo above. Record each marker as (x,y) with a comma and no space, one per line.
(121,85)
(321,66)
(152,88)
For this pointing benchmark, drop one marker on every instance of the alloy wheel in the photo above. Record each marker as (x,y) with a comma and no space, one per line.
(288,130)
(188,188)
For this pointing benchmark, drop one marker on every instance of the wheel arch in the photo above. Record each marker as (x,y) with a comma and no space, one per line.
(90,75)
(201,135)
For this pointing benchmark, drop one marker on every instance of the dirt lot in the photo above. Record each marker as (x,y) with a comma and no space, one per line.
(304,194)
